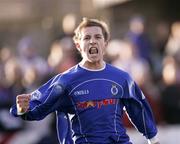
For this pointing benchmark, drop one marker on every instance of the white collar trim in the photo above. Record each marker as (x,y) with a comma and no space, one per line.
(104,66)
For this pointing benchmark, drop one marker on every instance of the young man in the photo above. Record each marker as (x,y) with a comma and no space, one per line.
(93,92)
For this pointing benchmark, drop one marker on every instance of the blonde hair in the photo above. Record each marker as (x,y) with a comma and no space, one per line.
(86,22)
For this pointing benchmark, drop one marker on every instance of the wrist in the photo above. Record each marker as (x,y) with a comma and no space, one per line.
(21,111)
(153,140)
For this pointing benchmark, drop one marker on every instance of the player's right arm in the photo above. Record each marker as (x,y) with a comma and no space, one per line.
(41,102)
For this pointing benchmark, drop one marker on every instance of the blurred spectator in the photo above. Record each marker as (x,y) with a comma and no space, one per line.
(55,56)
(5,54)
(173,44)
(171,77)
(162,34)
(112,50)
(139,38)
(10,86)
(13,77)
(128,60)
(62,55)
(171,92)
(125,57)
(69,24)
(18,75)
(31,78)
(29,58)
(10,79)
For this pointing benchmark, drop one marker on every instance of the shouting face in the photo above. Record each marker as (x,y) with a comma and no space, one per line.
(92,44)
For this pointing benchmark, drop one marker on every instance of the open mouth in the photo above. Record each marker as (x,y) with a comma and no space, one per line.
(93,50)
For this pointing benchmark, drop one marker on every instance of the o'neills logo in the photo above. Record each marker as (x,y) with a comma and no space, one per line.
(81,92)
(114,89)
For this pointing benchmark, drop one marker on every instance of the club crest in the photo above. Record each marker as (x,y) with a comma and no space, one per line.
(114,89)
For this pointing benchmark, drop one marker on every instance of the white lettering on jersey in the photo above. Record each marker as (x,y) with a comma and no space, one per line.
(81,92)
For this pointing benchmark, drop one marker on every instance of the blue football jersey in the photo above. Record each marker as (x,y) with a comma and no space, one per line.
(96,100)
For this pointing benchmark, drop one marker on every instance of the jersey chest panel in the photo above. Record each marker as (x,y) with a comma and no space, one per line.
(90,92)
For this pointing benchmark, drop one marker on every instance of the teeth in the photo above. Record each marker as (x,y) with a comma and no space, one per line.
(93,50)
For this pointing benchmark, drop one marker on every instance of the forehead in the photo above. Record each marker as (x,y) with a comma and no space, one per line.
(93,30)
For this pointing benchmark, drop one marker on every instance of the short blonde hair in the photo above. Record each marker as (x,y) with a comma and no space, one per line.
(86,22)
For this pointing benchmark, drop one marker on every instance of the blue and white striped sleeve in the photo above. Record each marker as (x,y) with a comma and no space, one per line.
(139,110)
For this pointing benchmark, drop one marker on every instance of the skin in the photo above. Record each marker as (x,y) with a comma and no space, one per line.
(22,102)
(92,38)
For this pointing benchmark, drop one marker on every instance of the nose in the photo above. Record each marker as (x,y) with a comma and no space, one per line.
(92,40)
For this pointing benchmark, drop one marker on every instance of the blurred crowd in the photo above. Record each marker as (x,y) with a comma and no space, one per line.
(155,66)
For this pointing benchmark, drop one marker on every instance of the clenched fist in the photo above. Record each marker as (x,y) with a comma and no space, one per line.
(22,102)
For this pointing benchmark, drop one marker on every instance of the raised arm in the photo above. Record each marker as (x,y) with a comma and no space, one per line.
(41,102)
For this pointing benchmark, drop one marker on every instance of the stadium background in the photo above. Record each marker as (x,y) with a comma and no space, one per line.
(35,44)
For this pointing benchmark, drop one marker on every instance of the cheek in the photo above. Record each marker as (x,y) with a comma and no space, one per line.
(84,47)
(103,48)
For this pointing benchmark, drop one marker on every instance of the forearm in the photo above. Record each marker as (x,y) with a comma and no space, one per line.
(141,116)
(28,115)
(40,103)
(140,111)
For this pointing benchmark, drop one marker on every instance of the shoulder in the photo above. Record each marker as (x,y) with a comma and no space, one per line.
(69,74)
(118,72)
(71,71)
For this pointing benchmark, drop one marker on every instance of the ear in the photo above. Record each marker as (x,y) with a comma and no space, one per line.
(106,43)
(78,46)
(105,46)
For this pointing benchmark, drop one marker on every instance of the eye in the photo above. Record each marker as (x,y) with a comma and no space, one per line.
(98,37)
(86,38)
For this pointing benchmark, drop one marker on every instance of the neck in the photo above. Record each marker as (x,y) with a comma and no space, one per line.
(92,65)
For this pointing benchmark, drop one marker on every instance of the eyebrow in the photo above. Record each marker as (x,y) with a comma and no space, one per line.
(95,35)
(98,34)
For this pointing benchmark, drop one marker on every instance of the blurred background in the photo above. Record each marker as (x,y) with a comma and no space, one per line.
(35,44)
